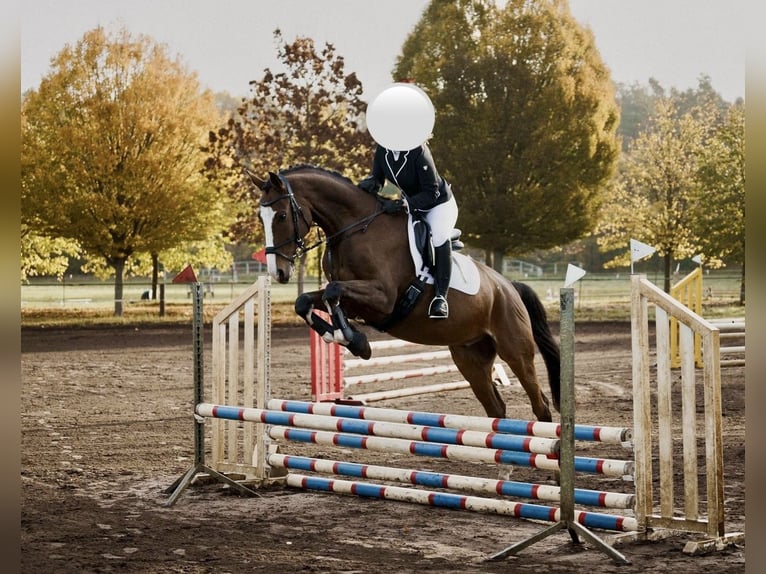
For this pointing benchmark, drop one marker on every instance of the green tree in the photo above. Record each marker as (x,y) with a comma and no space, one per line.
(718,206)
(637,104)
(111,151)
(655,187)
(526,118)
(636,107)
(703,97)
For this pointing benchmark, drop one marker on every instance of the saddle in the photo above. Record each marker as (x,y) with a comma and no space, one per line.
(425,247)
(424,242)
(390,192)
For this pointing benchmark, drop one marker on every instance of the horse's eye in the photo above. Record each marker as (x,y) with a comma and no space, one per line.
(281,216)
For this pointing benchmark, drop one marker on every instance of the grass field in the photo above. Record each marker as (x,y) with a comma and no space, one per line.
(597,297)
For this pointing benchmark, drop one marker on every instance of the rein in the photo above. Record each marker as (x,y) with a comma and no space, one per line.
(295,209)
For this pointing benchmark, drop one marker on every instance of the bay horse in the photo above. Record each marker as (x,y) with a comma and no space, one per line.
(369,270)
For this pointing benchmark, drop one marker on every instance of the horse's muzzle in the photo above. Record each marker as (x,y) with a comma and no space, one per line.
(279,270)
(282,276)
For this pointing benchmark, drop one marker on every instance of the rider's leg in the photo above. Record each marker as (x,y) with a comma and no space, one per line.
(442,219)
(439,308)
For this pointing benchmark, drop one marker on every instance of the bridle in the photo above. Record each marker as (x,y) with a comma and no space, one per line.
(297,214)
(295,211)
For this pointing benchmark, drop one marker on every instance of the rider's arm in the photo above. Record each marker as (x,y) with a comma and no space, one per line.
(377,165)
(373,182)
(428,181)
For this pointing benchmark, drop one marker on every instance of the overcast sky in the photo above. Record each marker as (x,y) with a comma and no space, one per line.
(230,42)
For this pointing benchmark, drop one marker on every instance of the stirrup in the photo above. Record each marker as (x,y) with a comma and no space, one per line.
(438,309)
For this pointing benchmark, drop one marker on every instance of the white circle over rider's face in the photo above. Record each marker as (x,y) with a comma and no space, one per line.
(401,117)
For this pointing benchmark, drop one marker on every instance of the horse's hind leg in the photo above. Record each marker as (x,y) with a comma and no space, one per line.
(475,363)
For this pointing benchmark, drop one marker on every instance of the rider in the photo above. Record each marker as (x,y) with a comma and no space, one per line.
(427,193)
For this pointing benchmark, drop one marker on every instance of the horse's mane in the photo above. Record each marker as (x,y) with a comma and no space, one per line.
(308,166)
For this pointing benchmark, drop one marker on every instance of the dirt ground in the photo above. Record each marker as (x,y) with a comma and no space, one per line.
(107,427)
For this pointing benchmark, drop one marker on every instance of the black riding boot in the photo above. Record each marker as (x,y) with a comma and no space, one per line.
(443,263)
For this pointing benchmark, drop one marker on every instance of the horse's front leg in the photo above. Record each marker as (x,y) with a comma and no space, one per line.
(344,333)
(366,299)
(340,331)
(304,307)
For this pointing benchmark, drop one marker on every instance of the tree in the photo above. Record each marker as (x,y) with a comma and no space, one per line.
(212,252)
(654,188)
(42,255)
(680,185)
(718,208)
(703,97)
(636,107)
(111,151)
(311,112)
(637,104)
(526,118)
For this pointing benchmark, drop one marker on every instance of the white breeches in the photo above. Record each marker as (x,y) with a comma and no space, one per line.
(442,220)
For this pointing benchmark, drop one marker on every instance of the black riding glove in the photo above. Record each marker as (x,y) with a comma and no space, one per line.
(370,185)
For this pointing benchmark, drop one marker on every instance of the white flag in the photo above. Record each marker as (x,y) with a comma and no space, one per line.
(639,250)
(574,273)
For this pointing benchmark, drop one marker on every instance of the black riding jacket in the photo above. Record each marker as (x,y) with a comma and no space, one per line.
(414,173)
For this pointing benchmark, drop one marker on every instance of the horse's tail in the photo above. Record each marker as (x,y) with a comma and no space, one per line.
(541,332)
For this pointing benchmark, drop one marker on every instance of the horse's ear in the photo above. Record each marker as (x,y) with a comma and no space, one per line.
(257,181)
(275,181)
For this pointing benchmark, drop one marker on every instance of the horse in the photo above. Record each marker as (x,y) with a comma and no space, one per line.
(369,270)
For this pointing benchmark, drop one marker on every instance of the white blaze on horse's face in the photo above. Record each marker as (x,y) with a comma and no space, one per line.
(267,217)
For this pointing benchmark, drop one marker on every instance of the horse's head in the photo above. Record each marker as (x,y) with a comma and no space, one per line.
(285,224)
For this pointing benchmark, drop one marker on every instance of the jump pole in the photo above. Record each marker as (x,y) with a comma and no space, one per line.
(603,434)
(199,466)
(566,458)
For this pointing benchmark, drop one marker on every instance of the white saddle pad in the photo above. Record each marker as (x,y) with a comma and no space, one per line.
(465,274)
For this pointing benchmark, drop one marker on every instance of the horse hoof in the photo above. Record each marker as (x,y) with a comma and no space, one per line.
(332,292)
(303,305)
(359,346)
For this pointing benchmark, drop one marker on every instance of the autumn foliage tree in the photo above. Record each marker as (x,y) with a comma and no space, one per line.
(311,111)
(41,255)
(526,118)
(111,151)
